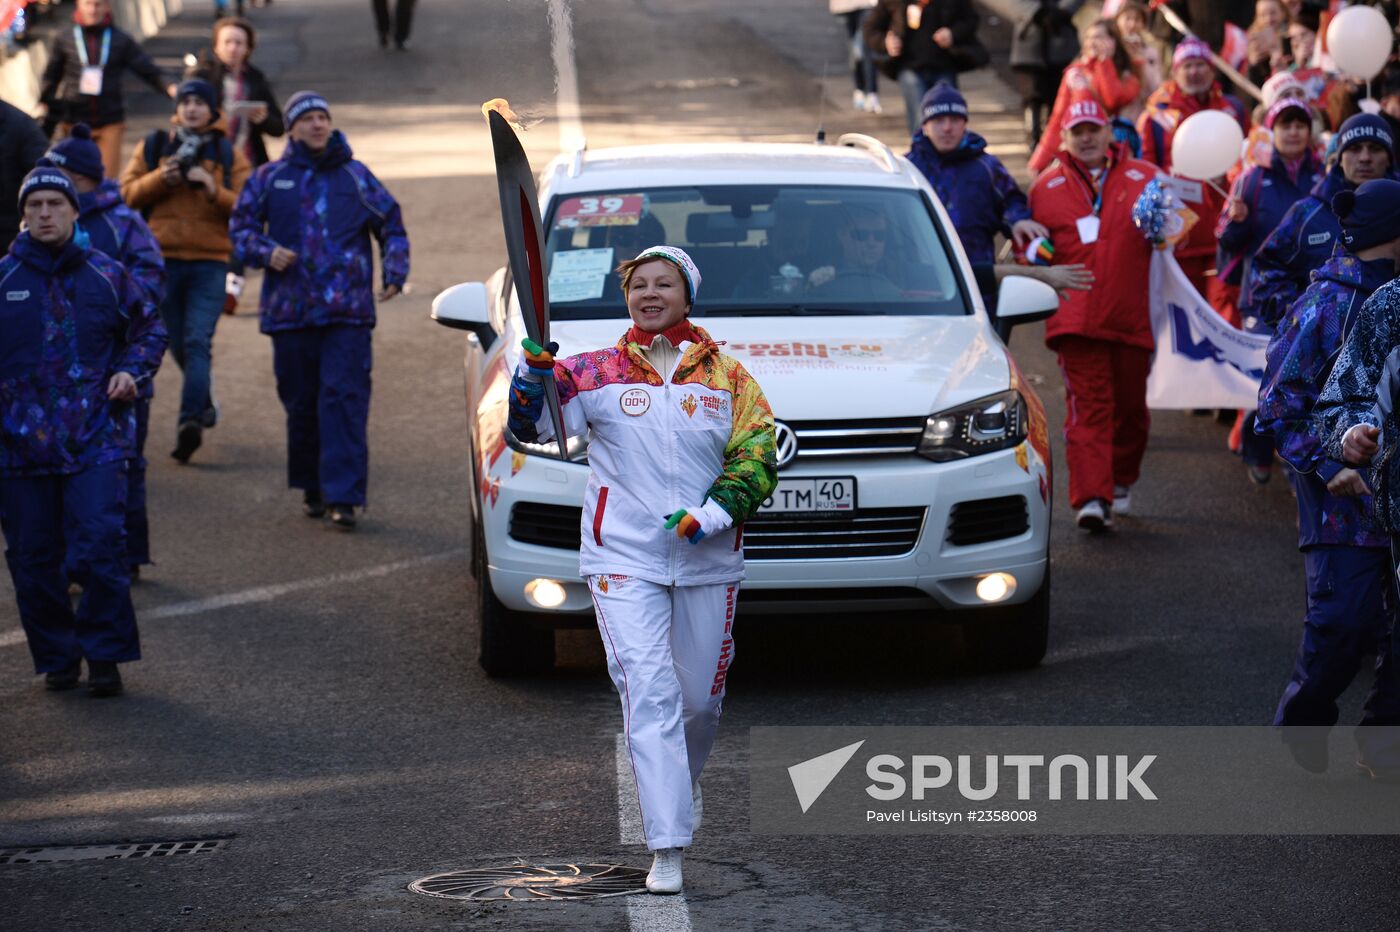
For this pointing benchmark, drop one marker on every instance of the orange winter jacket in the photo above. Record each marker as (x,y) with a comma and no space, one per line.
(1115,309)
(186,222)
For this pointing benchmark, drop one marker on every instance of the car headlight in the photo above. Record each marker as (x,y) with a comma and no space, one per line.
(578,447)
(983,426)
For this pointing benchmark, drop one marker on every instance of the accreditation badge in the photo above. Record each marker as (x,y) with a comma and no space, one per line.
(90,83)
(1088,228)
(914,15)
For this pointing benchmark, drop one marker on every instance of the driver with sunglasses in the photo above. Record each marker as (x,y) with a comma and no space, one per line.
(863,269)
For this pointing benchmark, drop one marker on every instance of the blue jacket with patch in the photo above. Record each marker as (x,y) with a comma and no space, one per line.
(1301,242)
(1268,193)
(69,320)
(325,210)
(122,233)
(1300,357)
(981,197)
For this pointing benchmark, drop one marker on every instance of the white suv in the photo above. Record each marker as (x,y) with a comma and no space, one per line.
(914,466)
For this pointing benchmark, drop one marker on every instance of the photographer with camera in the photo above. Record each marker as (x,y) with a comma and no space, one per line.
(186,181)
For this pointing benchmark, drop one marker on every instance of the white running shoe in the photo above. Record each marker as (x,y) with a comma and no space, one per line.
(665,873)
(697,805)
(1094,518)
(872,104)
(858,99)
(1122,500)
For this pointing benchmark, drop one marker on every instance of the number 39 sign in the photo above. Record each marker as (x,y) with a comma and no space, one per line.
(623,210)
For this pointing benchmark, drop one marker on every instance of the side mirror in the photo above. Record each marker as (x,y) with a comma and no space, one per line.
(1024,300)
(466,307)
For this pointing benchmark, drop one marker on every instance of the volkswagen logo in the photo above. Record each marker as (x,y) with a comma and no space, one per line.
(787,443)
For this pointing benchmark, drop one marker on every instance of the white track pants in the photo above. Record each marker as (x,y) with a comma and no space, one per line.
(669,650)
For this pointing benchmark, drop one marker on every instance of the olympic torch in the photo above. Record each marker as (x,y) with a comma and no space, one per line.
(524,233)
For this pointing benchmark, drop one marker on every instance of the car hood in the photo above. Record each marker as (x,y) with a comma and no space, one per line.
(846,367)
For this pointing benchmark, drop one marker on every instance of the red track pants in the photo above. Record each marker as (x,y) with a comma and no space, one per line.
(1106,417)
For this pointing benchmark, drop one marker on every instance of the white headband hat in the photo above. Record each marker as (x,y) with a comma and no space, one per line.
(679,257)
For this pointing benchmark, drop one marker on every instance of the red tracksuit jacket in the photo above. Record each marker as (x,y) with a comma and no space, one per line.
(1116,308)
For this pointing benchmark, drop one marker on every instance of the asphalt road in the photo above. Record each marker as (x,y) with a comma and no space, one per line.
(327,716)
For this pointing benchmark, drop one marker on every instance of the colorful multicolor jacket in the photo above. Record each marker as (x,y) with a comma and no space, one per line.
(1300,357)
(323,209)
(981,197)
(1349,397)
(1301,242)
(120,232)
(656,445)
(69,320)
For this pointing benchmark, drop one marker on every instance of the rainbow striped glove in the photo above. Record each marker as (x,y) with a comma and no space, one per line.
(693,524)
(539,360)
(1040,251)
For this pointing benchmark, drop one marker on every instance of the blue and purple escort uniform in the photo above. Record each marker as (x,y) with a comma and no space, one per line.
(1345,550)
(320,311)
(1304,239)
(981,197)
(70,319)
(120,232)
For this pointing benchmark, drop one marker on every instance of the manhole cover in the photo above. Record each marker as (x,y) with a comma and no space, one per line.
(535,882)
(47,854)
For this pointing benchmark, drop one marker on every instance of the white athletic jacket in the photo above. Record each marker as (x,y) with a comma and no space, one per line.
(656,445)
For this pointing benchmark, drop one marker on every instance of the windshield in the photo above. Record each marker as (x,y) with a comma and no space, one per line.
(764,250)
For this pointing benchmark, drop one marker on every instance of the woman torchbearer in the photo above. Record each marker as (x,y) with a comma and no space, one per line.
(682,452)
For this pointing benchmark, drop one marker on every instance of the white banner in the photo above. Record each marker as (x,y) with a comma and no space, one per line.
(1201,361)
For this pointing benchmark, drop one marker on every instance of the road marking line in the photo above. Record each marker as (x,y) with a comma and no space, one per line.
(566,99)
(645,913)
(268,593)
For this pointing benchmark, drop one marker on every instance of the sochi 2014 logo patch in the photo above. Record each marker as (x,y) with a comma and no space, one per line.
(610,582)
(635,402)
(688,405)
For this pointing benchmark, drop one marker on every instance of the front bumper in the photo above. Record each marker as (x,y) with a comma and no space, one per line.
(933,573)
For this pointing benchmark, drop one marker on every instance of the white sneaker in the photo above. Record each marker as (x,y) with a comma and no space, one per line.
(665,873)
(872,104)
(697,805)
(858,99)
(1122,500)
(1093,518)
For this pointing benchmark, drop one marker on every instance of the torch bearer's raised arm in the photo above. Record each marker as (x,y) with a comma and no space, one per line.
(524,235)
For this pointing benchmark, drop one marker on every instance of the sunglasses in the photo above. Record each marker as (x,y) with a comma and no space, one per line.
(860,234)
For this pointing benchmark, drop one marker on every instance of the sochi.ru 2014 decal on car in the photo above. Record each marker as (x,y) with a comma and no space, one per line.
(635,402)
(688,405)
(517,462)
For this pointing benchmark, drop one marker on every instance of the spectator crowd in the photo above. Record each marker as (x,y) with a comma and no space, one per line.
(1297,242)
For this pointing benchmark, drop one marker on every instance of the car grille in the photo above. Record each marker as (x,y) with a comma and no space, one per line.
(868,532)
(866,437)
(988,519)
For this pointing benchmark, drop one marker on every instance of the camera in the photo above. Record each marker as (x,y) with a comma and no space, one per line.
(187,157)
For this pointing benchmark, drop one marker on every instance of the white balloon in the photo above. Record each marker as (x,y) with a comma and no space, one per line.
(1206,145)
(1359,40)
